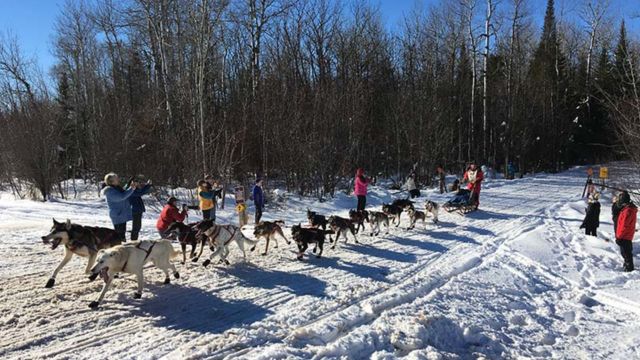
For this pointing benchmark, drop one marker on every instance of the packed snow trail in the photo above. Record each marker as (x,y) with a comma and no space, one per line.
(516,278)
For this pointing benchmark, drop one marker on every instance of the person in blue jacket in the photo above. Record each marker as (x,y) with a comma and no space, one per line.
(258,199)
(137,204)
(118,203)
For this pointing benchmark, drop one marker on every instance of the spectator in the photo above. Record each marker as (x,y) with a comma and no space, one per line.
(410,185)
(626,228)
(137,204)
(258,199)
(592,217)
(360,188)
(118,203)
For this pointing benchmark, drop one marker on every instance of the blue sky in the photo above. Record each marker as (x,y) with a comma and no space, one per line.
(32,21)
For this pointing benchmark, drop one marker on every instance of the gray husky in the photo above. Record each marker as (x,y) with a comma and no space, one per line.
(377,218)
(80,240)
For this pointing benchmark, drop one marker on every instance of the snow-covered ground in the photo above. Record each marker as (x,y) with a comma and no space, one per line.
(515,279)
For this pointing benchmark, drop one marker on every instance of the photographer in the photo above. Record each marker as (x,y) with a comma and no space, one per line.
(140,188)
(170,214)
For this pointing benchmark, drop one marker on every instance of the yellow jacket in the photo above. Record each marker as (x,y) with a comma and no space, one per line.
(206,198)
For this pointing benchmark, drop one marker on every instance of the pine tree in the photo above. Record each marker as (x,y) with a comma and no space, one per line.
(549,91)
(621,68)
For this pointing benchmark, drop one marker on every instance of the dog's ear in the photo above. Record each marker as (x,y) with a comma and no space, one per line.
(68,224)
(55,222)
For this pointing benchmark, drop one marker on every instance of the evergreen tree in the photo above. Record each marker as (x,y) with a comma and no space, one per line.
(622,69)
(548,93)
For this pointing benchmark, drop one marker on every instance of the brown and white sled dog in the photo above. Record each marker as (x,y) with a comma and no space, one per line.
(130,258)
(220,236)
(376,219)
(78,240)
(269,230)
(432,208)
(415,215)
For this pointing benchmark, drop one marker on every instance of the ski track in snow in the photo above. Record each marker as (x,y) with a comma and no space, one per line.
(517,278)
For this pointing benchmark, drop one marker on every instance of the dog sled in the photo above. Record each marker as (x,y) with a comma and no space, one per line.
(462,202)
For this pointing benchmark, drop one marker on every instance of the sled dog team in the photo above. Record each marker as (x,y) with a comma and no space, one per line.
(107,255)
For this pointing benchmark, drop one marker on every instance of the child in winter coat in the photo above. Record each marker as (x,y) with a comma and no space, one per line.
(592,217)
(360,188)
(170,214)
(118,203)
(626,228)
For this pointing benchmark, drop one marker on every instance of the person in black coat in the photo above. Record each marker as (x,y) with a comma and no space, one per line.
(592,217)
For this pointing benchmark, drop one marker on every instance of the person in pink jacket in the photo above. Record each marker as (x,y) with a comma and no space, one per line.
(360,190)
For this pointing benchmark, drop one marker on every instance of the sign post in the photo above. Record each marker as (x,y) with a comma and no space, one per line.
(604,175)
(241,207)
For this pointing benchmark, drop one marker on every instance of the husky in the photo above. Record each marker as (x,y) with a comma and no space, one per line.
(393,212)
(186,234)
(269,230)
(376,218)
(415,215)
(305,236)
(358,218)
(316,220)
(80,240)
(432,208)
(403,204)
(130,258)
(219,238)
(340,226)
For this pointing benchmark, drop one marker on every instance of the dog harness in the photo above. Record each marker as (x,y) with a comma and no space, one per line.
(218,229)
(148,251)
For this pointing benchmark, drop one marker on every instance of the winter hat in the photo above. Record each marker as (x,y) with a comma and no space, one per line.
(110,178)
(360,172)
(624,198)
(171,200)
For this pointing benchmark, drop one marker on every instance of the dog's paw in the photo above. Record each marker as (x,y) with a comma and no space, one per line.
(176,275)
(137,295)
(206,263)
(299,257)
(227,262)
(181,262)
(50,283)
(167,281)
(252,249)
(94,304)
(264,254)
(288,242)
(92,277)
(318,256)
(195,259)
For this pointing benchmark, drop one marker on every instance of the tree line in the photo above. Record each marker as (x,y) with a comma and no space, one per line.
(305,91)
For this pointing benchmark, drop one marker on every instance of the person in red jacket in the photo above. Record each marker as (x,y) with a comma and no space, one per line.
(626,228)
(170,214)
(473,177)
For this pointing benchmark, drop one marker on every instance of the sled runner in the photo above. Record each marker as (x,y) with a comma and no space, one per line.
(462,202)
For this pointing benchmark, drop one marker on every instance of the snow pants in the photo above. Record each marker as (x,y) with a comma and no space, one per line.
(626,250)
